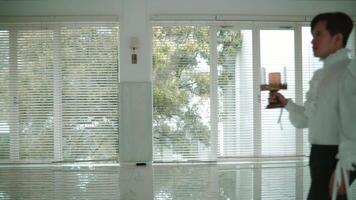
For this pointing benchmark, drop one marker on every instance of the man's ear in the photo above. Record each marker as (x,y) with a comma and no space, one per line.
(339,39)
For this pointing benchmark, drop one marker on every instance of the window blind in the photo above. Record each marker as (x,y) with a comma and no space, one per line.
(351,43)
(5,96)
(181,112)
(234,76)
(310,64)
(59,82)
(278,55)
(90,91)
(236,53)
(33,92)
(235,93)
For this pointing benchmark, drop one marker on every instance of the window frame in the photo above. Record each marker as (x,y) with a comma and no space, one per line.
(13,25)
(255,26)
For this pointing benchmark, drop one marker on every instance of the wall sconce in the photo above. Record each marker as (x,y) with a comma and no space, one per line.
(134,44)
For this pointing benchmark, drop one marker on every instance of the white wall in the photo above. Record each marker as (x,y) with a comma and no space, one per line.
(251,7)
(134,18)
(112,7)
(59,7)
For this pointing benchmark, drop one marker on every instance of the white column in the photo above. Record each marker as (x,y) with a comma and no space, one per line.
(135,140)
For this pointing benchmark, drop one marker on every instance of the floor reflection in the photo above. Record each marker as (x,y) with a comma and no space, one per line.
(136,182)
(158,182)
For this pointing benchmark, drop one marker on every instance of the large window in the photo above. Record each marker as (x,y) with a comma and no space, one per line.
(278,52)
(208,104)
(59,91)
(207,99)
(181,92)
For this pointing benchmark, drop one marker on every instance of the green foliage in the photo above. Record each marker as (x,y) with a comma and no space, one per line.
(229,42)
(35,96)
(90,93)
(85,60)
(176,119)
(182,87)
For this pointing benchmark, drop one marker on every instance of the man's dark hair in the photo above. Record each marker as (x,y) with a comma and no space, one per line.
(336,22)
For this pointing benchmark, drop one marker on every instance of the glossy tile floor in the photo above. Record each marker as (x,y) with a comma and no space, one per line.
(223,181)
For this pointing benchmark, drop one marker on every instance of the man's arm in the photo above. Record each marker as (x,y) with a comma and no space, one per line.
(347,114)
(347,105)
(296,112)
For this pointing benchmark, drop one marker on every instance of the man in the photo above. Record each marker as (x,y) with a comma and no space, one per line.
(329,111)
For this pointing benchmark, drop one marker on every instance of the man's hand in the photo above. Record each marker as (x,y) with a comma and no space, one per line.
(342,189)
(277,97)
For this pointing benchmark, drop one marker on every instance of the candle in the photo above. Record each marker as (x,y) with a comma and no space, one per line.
(263,75)
(274,78)
(284,75)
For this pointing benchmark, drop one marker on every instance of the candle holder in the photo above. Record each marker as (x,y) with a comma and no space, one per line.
(271,89)
(274,85)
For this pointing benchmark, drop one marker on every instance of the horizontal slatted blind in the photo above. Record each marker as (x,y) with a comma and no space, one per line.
(277,55)
(181,92)
(5,96)
(59,87)
(235,121)
(34,59)
(310,64)
(235,93)
(90,91)
(351,43)
(278,46)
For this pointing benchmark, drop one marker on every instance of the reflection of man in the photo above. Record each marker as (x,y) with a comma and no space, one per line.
(330,108)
